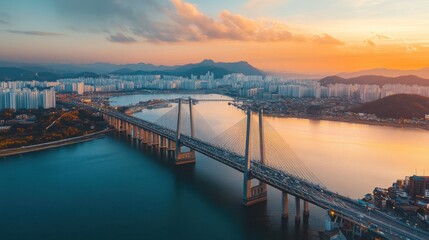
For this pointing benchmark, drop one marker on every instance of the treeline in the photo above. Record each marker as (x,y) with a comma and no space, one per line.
(67,124)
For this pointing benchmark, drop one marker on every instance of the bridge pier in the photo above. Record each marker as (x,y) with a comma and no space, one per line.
(256,194)
(117,124)
(143,137)
(306,212)
(285,206)
(128,129)
(297,209)
(135,132)
(141,131)
(171,149)
(179,156)
(163,142)
(155,139)
(121,126)
(163,147)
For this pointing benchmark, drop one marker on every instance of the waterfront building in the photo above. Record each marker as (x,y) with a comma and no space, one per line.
(26,98)
(418,186)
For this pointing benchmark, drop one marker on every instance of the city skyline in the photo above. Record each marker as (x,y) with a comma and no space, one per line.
(324,37)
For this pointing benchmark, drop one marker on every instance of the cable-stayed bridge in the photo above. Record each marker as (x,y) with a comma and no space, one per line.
(253,147)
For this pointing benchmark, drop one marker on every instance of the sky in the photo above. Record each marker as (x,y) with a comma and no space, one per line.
(306,36)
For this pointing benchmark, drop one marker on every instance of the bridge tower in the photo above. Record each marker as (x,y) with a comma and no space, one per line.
(258,193)
(184,157)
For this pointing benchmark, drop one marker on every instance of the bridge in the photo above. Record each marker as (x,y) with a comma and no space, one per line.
(271,167)
(203,100)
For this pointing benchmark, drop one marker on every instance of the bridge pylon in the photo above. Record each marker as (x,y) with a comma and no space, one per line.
(179,156)
(258,193)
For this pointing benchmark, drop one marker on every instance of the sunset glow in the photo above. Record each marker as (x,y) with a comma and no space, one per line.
(285,35)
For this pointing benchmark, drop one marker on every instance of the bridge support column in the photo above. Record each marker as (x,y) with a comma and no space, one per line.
(135,132)
(127,128)
(183,157)
(285,207)
(155,142)
(118,124)
(140,136)
(163,142)
(298,209)
(130,130)
(171,149)
(251,195)
(306,210)
(162,146)
(149,138)
(143,136)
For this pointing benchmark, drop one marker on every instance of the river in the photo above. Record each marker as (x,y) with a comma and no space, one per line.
(108,189)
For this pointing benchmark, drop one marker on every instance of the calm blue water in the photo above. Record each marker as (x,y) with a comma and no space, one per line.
(108,189)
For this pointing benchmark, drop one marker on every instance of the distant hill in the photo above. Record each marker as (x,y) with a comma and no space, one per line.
(51,72)
(376,80)
(423,73)
(219,69)
(397,106)
(225,67)
(13,73)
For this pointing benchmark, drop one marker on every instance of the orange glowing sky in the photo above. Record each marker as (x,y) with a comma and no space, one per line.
(286,35)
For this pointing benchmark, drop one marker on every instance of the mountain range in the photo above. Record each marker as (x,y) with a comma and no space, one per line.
(423,73)
(377,80)
(51,72)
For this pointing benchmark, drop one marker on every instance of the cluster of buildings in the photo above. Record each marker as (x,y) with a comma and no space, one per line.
(26,98)
(164,82)
(82,85)
(313,89)
(248,86)
(253,86)
(408,197)
(365,93)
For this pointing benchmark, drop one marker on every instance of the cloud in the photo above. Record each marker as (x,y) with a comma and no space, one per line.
(409,47)
(175,21)
(360,3)
(4,16)
(370,43)
(327,39)
(193,25)
(36,33)
(381,36)
(121,38)
(252,5)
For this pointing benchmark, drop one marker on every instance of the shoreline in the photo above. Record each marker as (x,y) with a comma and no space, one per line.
(357,121)
(54,144)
